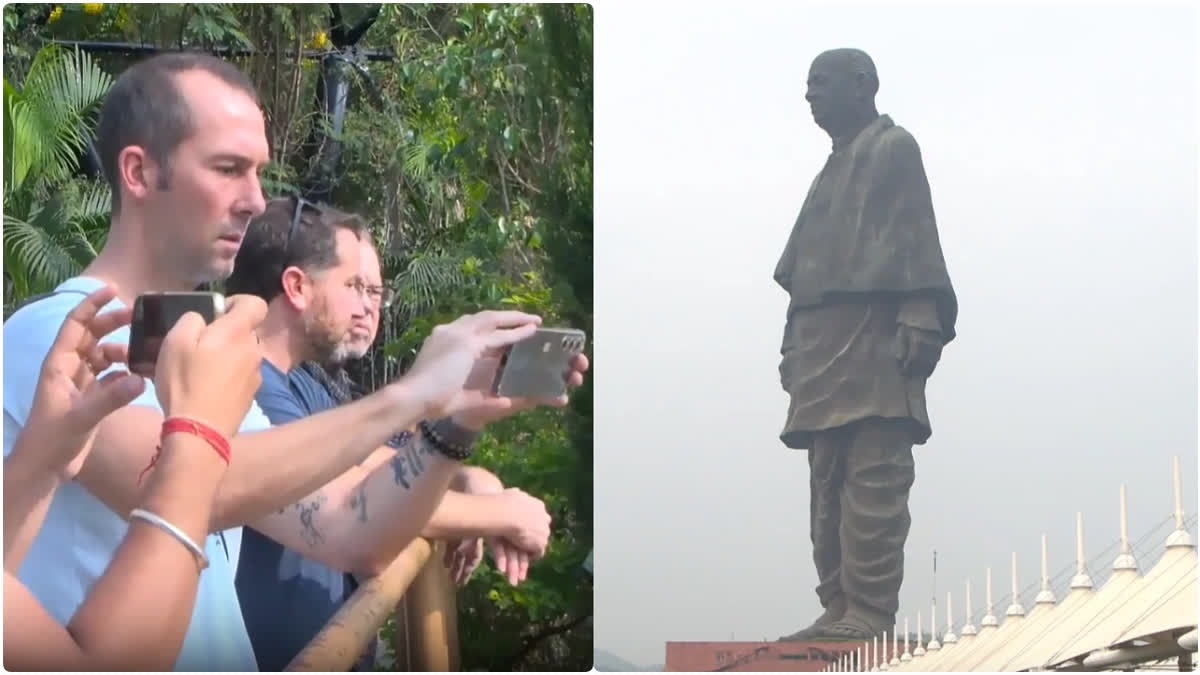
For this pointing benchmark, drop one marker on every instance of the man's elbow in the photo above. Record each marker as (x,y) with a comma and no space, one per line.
(374,561)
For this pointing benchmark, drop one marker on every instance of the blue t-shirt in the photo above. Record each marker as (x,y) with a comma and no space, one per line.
(80,534)
(286,598)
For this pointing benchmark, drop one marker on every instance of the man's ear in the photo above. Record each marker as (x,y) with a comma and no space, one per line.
(862,83)
(137,171)
(293,287)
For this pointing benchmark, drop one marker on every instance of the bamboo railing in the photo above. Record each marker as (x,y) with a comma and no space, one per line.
(417,589)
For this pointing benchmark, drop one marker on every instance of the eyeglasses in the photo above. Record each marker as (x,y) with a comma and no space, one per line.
(381,295)
(378,295)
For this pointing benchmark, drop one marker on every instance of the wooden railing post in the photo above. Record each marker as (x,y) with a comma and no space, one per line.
(417,589)
(337,647)
(431,618)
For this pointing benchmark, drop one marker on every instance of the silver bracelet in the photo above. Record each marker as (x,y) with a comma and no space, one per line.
(201,559)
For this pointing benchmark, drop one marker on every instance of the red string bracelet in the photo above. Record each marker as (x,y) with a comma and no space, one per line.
(190,426)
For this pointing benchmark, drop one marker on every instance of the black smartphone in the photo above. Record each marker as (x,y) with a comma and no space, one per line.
(536,367)
(154,314)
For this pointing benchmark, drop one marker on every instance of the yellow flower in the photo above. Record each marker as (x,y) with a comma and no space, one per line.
(93,7)
(320,40)
(55,14)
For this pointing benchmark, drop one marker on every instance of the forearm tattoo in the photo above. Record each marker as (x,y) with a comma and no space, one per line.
(408,463)
(358,502)
(308,527)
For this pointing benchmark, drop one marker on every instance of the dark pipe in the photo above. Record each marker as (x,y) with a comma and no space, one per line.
(333,90)
(148,49)
(333,93)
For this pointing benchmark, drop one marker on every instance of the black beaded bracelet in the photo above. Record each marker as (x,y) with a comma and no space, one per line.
(448,438)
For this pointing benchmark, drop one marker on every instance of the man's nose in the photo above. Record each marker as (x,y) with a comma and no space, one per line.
(254,202)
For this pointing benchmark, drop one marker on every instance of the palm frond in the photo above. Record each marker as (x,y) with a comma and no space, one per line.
(42,259)
(426,278)
(53,223)
(89,217)
(60,93)
(23,144)
(416,158)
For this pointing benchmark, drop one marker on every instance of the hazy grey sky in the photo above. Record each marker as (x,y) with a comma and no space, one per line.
(1061,147)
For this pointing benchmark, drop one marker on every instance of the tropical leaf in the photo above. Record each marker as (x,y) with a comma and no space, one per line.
(45,260)
(57,99)
(23,145)
(426,278)
(88,217)
(54,224)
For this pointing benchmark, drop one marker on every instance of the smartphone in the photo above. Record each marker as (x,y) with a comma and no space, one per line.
(154,314)
(536,367)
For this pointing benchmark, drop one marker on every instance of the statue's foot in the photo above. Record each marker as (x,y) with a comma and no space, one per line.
(854,625)
(830,616)
(804,633)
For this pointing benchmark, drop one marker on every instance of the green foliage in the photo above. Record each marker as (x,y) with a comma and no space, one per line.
(470,154)
(53,222)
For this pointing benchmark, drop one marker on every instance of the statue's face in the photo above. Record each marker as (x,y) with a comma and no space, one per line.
(833,91)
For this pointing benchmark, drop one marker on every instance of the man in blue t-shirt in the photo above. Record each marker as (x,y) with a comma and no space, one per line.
(286,596)
(181,139)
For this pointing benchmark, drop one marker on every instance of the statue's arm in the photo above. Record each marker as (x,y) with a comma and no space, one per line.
(919,312)
(903,163)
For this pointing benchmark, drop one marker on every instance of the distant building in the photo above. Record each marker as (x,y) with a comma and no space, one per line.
(760,657)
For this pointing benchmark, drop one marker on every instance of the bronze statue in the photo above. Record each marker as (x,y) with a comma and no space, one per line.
(871,308)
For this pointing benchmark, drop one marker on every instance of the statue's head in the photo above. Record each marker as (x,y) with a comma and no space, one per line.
(841,88)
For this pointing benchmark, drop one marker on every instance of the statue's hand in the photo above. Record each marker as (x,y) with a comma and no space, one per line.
(918,350)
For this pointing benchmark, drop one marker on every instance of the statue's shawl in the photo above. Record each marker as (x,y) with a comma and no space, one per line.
(867,229)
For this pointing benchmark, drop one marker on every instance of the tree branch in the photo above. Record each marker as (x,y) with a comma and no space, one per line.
(531,643)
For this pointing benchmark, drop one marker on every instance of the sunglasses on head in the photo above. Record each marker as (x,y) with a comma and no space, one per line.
(301,205)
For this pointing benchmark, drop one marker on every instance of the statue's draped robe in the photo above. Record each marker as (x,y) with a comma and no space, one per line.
(863,255)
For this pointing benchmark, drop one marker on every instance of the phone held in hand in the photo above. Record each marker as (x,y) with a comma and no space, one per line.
(537,366)
(154,314)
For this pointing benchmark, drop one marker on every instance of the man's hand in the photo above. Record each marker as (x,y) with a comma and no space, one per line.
(529,522)
(69,401)
(484,374)
(450,358)
(525,539)
(210,372)
(462,558)
(511,561)
(527,529)
(528,540)
(918,350)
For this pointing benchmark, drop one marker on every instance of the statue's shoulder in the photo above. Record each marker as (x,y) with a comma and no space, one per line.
(894,134)
(896,142)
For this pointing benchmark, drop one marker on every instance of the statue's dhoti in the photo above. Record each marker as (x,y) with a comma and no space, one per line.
(858,416)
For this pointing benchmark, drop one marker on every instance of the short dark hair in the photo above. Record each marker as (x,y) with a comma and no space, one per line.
(146,108)
(267,250)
